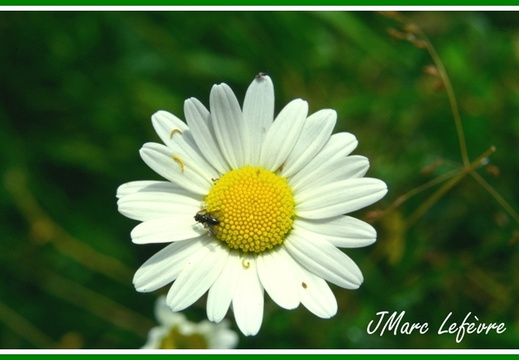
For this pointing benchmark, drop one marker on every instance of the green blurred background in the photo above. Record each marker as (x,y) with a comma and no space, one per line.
(77,90)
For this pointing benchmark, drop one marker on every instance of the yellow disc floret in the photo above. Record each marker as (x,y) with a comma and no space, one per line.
(177,339)
(254,207)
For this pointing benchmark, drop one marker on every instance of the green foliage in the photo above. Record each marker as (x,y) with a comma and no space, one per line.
(77,91)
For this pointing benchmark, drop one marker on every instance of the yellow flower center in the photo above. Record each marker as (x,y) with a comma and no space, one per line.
(254,208)
(176,340)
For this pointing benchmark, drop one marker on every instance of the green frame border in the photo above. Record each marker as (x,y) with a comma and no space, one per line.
(353,354)
(259,355)
(294,354)
(272,3)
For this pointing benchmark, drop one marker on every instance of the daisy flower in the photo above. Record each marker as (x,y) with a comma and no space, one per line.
(176,332)
(251,204)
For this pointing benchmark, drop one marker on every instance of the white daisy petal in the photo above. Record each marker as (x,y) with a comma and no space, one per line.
(168,126)
(199,120)
(221,293)
(324,260)
(177,169)
(338,147)
(314,135)
(182,143)
(353,166)
(258,114)
(167,229)
(228,124)
(248,299)
(220,336)
(164,267)
(342,231)
(197,276)
(135,186)
(339,198)
(163,313)
(317,296)
(151,205)
(283,134)
(277,272)
(153,186)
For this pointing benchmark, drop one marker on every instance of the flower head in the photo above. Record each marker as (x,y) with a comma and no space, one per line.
(251,204)
(176,332)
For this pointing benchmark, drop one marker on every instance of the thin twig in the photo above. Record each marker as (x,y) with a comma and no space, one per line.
(431,200)
(496,195)
(461,173)
(408,195)
(450,94)
(416,35)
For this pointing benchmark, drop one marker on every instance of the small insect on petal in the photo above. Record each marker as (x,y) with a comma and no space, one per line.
(180,162)
(174,131)
(207,219)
